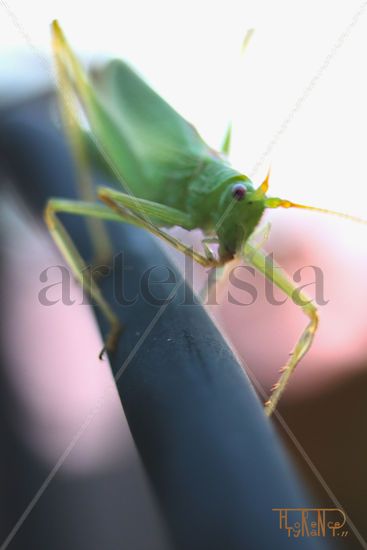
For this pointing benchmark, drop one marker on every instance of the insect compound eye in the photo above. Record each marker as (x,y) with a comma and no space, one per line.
(238,191)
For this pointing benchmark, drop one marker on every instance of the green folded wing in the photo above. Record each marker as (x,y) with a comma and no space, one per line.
(166,148)
(148,145)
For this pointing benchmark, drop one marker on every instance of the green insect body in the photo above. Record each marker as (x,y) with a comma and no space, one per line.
(169,176)
(161,158)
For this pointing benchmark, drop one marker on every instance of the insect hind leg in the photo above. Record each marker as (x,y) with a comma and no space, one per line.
(77,264)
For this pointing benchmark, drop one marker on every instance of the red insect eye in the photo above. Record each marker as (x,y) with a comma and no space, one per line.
(238,191)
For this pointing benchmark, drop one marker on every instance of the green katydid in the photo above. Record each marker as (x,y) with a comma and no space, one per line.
(170,177)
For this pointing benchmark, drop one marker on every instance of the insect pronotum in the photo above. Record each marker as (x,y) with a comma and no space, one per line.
(169,177)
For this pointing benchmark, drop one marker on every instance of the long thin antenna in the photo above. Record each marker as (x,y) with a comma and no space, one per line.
(281,203)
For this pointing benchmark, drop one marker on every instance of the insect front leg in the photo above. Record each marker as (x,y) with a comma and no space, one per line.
(263,233)
(218,275)
(259,260)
